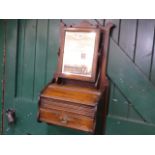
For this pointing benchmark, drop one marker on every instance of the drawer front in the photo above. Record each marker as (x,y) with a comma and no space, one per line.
(66,119)
(68,107)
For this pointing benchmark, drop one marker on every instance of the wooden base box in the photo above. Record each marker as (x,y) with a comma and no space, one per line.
(70,106)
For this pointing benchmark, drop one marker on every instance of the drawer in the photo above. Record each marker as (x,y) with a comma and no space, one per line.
(66,119)
(68,107)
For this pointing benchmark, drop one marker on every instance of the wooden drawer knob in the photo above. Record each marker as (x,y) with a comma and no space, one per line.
(64,119)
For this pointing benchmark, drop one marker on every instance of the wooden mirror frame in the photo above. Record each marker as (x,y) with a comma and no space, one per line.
(83,27)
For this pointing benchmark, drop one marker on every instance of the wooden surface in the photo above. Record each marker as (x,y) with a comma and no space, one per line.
(73,93)
(120,126)
(77,103)
(20,72)
(59,97)
(69,106)
(138,90)
(2,36)
(152,75)
(135,41)
(144,46)
(66,119)
(127,36)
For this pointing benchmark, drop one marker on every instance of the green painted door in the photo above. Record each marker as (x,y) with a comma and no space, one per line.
(31,60)
(2,36)
(131,69)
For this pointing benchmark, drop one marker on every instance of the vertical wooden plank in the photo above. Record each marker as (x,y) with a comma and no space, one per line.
(10,66)
(112,88)
(20,57)
(52,50)
(77,21)
(127,36)
(71,21)
(11,51)
(40,63)
(119,105)
(116,30)
(29,58)
(144,45)
(153,66)
(153,72)
(1,56)
(2,39)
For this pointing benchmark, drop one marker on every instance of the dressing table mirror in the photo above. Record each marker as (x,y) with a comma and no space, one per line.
(77,96)
(78,55)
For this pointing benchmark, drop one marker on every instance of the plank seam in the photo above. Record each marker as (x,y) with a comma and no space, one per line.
(23,49)
(119,32)
(135,45)
(153,47)
(35,59)
(17,59)
(45,78)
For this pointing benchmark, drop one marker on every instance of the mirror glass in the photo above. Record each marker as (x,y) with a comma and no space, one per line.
(78,53)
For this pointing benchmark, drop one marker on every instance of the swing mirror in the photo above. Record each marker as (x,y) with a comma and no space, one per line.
(79,52)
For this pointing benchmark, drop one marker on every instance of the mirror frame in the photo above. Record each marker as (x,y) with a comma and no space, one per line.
(95,56)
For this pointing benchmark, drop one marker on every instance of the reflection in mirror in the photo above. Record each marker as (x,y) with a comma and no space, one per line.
(78,53)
